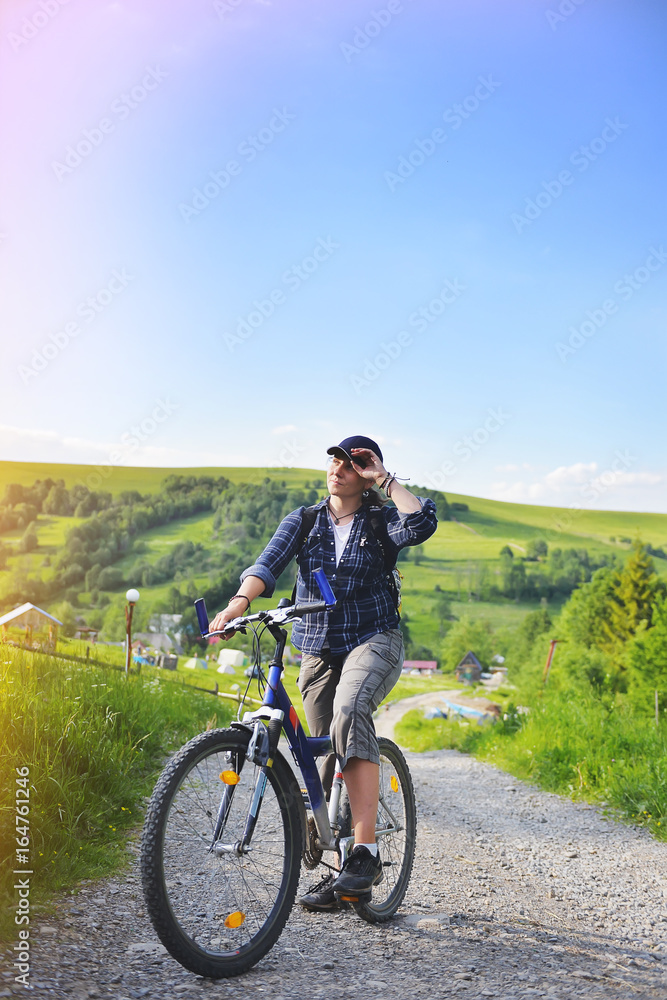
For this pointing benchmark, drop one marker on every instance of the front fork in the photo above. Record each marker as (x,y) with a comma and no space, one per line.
(261,748)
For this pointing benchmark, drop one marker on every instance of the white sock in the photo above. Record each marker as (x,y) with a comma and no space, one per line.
(373,848)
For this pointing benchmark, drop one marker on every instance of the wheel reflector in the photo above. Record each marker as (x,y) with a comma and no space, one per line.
(230,777)
(394,783)
(235,919)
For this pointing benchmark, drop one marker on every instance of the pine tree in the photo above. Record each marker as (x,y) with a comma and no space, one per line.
(635,591)
(647,668)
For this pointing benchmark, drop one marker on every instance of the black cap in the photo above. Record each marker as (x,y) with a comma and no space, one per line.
(356,441)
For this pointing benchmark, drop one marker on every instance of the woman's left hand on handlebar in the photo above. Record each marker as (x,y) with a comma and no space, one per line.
(236,607)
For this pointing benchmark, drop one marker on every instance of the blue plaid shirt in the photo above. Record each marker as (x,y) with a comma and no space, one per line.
(364,604)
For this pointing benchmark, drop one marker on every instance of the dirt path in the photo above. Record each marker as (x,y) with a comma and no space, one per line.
(516,893)
(387,717)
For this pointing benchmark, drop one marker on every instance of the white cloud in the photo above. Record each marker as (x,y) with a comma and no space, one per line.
(519,492)
(586,485)
(570,475)
(19,444)
(639,478)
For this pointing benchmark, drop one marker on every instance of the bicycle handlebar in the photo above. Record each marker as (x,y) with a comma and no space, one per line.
(276,616)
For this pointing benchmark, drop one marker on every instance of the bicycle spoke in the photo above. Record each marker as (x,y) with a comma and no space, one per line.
(218,910)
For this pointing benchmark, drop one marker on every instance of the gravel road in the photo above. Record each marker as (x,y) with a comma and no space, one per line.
(515,893)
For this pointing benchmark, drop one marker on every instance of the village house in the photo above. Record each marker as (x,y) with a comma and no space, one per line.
(469,670)
(30,626)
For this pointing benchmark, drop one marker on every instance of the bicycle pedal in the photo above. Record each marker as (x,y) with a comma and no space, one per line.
(361,897)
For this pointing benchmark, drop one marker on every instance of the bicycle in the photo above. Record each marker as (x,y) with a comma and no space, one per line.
(227,824)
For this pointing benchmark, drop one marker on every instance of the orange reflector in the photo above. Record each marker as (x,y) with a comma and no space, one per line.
(349,899)
(235,919)
(394,783)
(230,777)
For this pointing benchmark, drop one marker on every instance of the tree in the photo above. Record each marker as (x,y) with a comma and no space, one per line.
(536,548)
(65,613)
(29,541)
(647,663)
(58,501)
(514,577)
(442,607)
(535,623)
(110,578)
(467,634)
(586,615)
(634,593)
(13,494)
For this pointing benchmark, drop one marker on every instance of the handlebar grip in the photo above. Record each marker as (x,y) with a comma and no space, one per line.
(324,585)
(202,615)
(310,609)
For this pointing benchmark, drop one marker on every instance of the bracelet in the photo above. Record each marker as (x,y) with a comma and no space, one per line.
(240,595)
(392,480)
(384,482)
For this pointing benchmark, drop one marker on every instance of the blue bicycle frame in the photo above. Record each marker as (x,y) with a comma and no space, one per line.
(277,708)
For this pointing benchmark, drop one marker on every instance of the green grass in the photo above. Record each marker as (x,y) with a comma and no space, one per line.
(93,742)
(117,479)
(524,519)
(571,745)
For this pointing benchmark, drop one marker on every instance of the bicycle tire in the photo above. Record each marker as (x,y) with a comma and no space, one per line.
(397,850)
(195,897)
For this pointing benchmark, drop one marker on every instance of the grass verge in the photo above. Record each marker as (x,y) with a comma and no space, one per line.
(574,746)
(90,742)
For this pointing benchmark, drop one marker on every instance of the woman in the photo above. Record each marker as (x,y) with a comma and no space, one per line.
(353,655)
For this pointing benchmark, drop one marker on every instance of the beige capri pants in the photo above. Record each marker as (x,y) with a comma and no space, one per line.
(340,694)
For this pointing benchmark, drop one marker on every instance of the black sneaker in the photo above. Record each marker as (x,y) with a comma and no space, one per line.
(321,897)
(360,873)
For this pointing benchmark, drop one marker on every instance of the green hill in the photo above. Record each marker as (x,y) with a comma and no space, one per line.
(117,479)
(462,559)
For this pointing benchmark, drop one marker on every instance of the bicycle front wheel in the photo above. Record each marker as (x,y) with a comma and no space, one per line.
(396,832)
(216,907)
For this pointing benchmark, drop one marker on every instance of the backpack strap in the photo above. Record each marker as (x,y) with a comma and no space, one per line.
(379,528)
(308,518)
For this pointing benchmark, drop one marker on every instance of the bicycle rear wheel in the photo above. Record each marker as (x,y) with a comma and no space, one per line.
(396,831)
(218,912)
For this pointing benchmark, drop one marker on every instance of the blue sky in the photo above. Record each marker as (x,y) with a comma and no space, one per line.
(439,224)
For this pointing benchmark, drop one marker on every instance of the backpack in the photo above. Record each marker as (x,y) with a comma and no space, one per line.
(378,525)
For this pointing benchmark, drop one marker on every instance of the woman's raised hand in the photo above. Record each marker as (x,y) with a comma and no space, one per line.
(373,468)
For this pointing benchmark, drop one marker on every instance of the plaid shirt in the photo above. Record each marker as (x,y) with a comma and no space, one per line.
(365,606)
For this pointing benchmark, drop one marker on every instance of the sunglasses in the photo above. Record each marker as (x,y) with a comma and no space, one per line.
(361,462)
